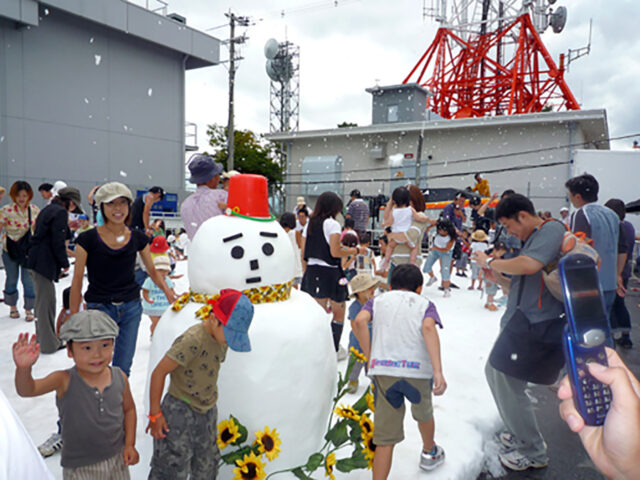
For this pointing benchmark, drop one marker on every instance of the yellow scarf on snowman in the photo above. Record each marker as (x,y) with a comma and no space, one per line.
(278,292)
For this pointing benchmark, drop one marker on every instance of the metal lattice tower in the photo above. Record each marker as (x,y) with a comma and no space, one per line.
(487,58)
(284,98)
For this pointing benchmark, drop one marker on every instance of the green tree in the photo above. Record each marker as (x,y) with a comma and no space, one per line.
(253,154)
(347,124)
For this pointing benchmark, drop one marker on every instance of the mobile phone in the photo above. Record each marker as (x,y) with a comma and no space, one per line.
(585,335)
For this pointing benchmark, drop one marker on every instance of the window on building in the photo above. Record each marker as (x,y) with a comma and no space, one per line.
(392,113)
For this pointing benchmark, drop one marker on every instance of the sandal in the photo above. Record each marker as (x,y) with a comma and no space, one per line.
(490,306)
(29,317)
(14,314)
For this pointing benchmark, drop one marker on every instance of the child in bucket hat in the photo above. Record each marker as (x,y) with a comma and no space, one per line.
(193,363)
(363,287)
(98,423)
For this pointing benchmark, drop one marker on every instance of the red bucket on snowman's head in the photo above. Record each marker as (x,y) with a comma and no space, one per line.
(249,196)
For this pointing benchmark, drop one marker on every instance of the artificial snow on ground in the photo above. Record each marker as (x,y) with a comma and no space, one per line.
(466,417)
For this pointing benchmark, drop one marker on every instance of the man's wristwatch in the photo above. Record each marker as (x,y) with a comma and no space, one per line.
(489,260)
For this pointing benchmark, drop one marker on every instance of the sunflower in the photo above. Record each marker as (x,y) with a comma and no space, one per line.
(228,433)
(370,401)
(269,442)
(249,468)
(366,425)
(359,356)
(329,462)
(369,450)
(347,412)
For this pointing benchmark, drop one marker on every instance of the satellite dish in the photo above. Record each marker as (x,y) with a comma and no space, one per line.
(271,72)
(280,69)
(271,48)
(558,19)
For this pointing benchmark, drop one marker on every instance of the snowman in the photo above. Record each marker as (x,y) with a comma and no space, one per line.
(288,380)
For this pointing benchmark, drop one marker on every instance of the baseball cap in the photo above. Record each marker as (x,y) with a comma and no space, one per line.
(235,311)
(89,325)
(162,262)
(203,168)
(564,209)
(300,201)
(110,191)
(159,244)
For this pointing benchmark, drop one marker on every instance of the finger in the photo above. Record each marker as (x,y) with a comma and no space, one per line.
(624,397)
(614,360)
(564,389)
(571,416)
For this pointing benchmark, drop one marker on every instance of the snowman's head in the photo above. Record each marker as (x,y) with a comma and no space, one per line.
(233,252)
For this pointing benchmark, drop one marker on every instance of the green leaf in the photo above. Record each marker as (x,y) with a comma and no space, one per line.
(314,461)
(243,432)
(356,433)
(357,460)
(299,473)
(338,433)
(230,458)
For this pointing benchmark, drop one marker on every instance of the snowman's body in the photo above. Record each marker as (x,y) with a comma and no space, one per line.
(288,379)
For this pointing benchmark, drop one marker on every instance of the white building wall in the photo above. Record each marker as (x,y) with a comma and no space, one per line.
(450,157)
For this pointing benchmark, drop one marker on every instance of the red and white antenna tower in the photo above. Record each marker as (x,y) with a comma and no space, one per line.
(487,58)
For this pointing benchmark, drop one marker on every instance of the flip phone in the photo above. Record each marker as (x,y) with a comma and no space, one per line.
(585,335)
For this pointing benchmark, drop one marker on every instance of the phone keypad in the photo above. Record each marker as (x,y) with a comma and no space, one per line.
(596,395)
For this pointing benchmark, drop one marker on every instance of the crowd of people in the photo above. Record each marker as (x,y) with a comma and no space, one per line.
(128,260)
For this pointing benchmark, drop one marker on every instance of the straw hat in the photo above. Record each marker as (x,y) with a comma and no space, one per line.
(479,236)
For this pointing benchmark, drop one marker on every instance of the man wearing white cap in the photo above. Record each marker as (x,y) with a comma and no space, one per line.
(564,215)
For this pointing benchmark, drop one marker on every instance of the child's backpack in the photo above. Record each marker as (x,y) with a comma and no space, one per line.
(571,243)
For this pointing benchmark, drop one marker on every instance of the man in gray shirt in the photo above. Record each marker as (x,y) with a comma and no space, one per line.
(522,442)
(359,211)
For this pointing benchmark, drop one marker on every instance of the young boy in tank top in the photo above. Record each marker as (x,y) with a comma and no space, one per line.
(97,412)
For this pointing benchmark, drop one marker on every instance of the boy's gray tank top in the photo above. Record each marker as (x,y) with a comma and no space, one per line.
(92,422)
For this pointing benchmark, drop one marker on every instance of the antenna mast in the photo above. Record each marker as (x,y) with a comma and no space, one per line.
(488,58)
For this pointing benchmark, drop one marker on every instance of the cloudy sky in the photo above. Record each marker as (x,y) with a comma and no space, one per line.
(355,44)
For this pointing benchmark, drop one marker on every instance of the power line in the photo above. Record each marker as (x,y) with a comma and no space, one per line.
(431,177)
(487,157)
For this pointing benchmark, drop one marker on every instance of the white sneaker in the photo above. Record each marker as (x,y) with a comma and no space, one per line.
(433,459)
(515,460)
(447,293)
(341,353)
(431,281)
(51,445)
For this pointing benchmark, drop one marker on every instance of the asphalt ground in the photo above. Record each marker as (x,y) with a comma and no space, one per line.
(567,458)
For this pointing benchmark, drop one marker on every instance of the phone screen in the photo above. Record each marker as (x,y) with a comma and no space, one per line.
(584,298)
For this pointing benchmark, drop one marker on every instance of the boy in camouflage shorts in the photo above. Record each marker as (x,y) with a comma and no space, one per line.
(184,426)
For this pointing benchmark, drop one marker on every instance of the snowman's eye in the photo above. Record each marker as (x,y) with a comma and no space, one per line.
(237,252)
(267,248)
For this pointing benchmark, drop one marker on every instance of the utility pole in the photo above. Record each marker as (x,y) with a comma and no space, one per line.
(243,22)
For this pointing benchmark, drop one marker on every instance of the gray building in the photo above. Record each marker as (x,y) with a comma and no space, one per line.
(531,153)
(93,91)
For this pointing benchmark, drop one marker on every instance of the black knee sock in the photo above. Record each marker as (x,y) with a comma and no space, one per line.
(336,328)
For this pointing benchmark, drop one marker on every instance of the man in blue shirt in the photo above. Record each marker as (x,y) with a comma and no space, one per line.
(602,225)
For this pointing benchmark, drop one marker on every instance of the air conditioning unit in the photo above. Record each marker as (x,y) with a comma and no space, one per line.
(378,152)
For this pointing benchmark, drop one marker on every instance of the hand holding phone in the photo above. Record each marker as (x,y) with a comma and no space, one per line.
(615,446)
(585,336)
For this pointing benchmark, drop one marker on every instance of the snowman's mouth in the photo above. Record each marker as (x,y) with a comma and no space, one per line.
(253,279)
